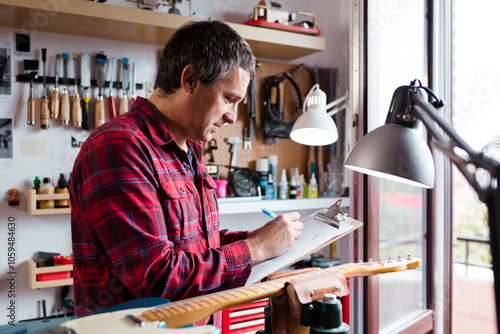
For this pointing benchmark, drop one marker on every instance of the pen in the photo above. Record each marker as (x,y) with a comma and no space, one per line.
(269,213)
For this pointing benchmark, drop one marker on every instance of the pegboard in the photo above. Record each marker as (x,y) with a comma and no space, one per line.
(290,154)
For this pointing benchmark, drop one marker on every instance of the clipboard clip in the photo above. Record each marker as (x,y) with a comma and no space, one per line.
(331,216)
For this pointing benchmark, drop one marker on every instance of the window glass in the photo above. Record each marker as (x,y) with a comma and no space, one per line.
(396,56)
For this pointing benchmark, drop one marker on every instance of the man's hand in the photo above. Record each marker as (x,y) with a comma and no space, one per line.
(274,238)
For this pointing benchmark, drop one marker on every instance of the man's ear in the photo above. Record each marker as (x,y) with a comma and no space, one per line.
(188,81)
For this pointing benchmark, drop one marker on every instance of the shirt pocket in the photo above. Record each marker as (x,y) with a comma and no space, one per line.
(182,213)
(212,206)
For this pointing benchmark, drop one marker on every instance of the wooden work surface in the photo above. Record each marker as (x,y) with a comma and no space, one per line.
(290,154)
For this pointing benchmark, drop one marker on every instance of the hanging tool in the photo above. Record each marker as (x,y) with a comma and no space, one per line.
(111,99)
(132,98)
(85,83)
(54,103)
(31,69)
(235,145)
(250,131)
(100,78)
(212,145)
(65,95)
(44,100)
(124,99)
(77,106)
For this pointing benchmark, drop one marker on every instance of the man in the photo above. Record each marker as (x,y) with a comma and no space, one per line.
(144,213)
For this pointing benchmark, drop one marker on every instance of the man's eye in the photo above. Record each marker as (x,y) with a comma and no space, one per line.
(230,99)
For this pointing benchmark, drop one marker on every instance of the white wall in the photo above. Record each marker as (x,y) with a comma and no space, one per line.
(52,233)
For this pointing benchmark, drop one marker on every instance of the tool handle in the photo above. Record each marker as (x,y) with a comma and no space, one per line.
(65,107)
(54,103)
(123,105)
(112,107)
(44,114)
(76,112)
(31,111)
(99,111)
(85,113)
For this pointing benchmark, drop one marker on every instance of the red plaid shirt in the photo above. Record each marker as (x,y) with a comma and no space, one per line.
(141,227)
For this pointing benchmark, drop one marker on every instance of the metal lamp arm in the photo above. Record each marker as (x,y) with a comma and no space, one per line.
(430,118)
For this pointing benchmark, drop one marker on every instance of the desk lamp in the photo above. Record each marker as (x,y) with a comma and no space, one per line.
(315,127)
(396,151)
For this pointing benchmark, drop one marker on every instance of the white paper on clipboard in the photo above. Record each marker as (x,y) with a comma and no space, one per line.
(315,235)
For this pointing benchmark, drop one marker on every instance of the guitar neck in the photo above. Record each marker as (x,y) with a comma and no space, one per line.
(188,311)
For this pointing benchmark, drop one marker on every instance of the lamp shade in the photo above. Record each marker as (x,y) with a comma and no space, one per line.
(394,152)
(315,127)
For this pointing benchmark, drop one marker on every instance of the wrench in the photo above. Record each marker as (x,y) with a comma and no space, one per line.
(247,144)
(235,145)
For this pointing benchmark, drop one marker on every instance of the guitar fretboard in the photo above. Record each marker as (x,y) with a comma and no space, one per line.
(188,311)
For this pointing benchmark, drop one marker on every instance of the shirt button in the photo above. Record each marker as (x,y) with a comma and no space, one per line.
(205,174)
(183,191)
(188,167)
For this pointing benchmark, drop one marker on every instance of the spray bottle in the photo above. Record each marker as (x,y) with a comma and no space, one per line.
(283,186)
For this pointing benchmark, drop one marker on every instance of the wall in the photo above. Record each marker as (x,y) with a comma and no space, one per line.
(52,233)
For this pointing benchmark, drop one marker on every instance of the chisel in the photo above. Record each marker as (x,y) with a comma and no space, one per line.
(85,83)
(44,100)
(65,96)
(54,103)
(100,77)
(124,99)
(31,70)
(76,110)
(132,98)
(111,99)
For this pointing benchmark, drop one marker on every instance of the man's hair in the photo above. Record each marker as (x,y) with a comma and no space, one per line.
(212,48)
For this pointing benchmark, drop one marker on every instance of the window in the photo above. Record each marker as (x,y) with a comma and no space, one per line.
(397,54)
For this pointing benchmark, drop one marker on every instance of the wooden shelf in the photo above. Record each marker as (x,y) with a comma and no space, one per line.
(33,197)
(33,271)
(93,19)
(241,205)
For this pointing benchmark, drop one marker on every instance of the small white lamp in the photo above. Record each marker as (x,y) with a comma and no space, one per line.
(315,127)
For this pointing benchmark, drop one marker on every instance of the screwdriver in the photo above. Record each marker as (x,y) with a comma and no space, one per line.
(65,95)
(124,99)
(31,70)
(54,103)
(44,100)
(100,77)
(111,99)
(76,111)
(85,83)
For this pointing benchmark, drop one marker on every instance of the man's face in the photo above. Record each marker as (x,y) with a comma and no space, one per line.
(211,107)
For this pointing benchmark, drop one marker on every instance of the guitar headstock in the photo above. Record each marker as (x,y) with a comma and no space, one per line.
(391,265)
(379,267)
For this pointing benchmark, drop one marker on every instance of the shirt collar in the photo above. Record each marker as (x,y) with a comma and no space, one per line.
(159,132)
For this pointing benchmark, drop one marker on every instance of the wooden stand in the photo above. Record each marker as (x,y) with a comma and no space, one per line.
(33,197)
(33,271)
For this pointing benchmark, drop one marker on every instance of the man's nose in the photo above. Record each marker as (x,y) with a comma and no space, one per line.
(231,115)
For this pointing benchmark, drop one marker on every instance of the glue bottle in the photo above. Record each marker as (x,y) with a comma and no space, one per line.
(293,187)
(312,189)
(283,186)
(270,188)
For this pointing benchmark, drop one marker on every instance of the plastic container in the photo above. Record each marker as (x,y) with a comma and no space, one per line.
(283,186)
(263,172)
(221,190)
(62,188)
(47,188)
